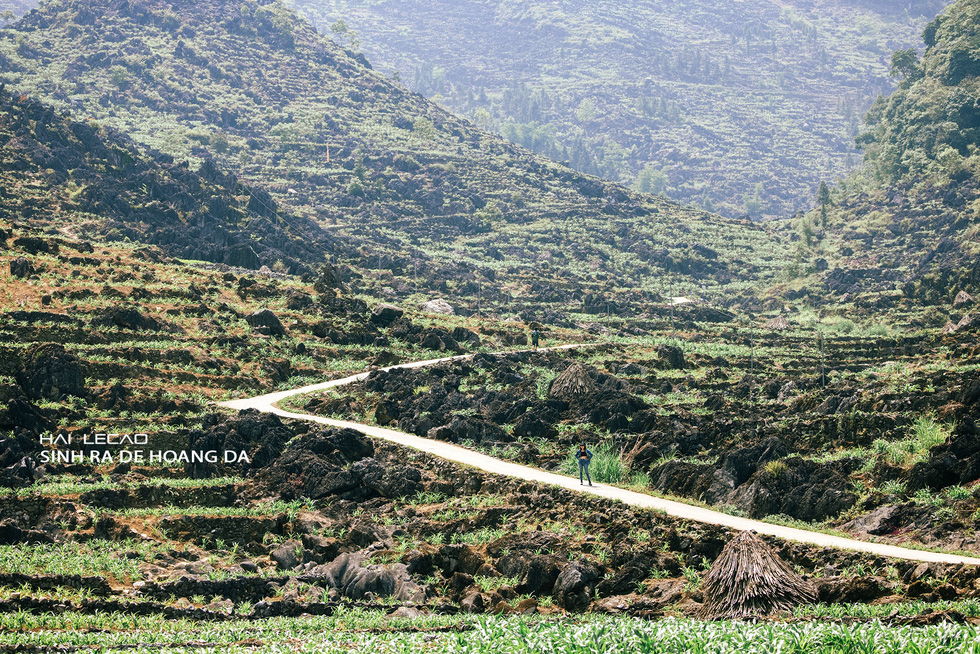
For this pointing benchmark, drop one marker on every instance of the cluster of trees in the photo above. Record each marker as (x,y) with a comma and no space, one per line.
(928,131)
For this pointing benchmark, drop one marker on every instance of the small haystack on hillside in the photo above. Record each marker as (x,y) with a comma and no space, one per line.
(573,384)
(779,323)
(749,580)
(962,299)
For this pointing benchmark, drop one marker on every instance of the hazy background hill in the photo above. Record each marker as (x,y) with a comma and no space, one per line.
(428,202)
(740,107)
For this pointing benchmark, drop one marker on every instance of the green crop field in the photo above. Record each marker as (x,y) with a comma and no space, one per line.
(371,631)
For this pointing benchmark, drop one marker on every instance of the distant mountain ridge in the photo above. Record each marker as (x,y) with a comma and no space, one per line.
(422,195)
(739,107)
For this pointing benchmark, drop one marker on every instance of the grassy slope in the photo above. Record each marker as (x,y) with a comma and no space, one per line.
(460,211)
(721,97)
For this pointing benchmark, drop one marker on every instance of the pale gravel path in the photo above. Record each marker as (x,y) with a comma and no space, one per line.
(266,403)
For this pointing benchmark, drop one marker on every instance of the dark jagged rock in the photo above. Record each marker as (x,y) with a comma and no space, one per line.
(35,245)
(12,534)
(331,277)
(962,300)
(242,256)
(48,371)
(261,435)
(743,462)
(936,473)
(531,425)
(126,318)
(433,342)
(146,197)
(386,358)
(394,481)
(348,574)
(21,414)
(575,586)
(626,579)
(879,522)
(266,322)
(847,590)
(539,577)
(287,556)
(384,315)
(17,466)
(338,462)
(477,431)
(20,268)
(671,357)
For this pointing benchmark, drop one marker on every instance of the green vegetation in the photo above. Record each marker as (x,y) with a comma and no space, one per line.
(926,433)
(606,467)
(97,557)
(670,635)
(372,630)
(365,630)
(968,608)
(918,185)
(804,392)
(67,485)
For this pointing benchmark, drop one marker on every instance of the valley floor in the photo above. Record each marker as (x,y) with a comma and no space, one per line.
(457,454)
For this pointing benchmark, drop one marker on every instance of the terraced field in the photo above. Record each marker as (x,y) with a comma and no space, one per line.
(860,434)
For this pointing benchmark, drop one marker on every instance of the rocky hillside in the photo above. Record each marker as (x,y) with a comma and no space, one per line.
(104,187)
(743,107)
(439,205)
(119,338)
(907,226)
(873,434)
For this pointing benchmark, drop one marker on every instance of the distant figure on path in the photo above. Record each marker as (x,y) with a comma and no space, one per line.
(535,337)
(584,456)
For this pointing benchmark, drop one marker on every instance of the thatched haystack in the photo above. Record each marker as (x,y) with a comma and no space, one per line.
(962,299)
(779,323)
(573,384)
(749,580)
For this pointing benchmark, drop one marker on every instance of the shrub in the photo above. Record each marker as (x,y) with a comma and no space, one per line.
(958,493)
(119,77)
(777,468)
(355,188)
(926,433)
(893,487)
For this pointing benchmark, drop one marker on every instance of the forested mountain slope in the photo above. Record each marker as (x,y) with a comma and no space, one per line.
(427,197)
(909,224)
(743,107)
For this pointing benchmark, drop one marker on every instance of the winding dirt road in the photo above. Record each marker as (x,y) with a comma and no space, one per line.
(267,403)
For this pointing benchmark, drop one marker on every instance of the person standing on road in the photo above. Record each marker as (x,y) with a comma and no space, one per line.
(535,337)
(584,456)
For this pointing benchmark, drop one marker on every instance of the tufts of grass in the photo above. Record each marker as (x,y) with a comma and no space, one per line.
(926,433)
(607,465)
